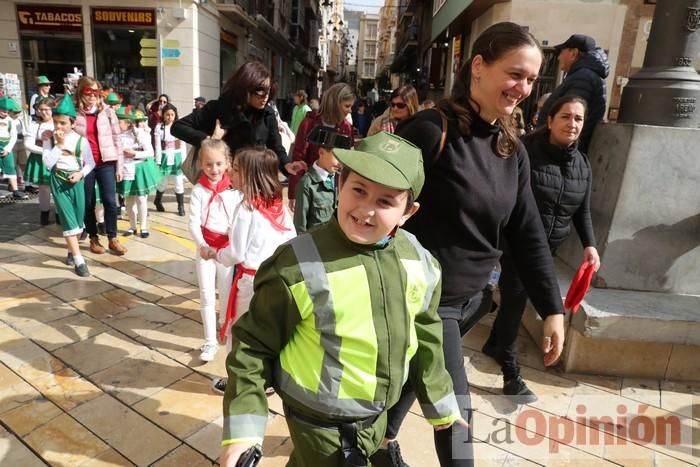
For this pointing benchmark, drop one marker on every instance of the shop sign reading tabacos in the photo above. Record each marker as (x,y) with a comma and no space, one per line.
(49,18)
(123,16)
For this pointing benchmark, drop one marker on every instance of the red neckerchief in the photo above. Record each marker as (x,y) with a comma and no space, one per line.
(272,211)
(223,185)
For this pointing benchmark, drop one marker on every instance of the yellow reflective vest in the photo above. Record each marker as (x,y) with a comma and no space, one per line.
(337,328)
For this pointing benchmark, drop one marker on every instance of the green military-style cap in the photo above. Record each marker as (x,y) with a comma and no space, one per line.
(386,159)
(65,107)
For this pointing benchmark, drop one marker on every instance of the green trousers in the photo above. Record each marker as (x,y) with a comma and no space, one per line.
(320,447)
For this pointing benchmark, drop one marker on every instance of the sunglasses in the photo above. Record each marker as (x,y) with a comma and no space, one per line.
(261,92)
(398,105)
(90,92)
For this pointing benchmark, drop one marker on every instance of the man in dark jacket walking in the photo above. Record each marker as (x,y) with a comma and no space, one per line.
(586,67)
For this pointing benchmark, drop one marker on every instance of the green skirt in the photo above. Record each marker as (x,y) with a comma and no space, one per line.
(145,182)
(70,202)
(174,169)
(7,163)
(35,172)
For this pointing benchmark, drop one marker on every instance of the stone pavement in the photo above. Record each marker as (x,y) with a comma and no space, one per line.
(104,371)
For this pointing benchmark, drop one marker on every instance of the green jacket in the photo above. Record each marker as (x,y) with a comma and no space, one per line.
(315,202)
(298,115)
(337,328)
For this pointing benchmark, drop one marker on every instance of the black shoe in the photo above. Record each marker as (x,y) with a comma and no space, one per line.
(32,190)
(20,195)
(82,270)
(44,218)
(491,349)
(389,457)
(83,235)
(145,234)
(219,385)
(180,197)
(159,201)
(69,259)
(101,228)
(129,232)
(518,391)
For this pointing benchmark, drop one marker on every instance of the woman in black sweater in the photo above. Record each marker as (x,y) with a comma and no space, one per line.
(241,116)
(477,193)
(560,177)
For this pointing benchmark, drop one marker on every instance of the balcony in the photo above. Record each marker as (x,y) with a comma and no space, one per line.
(238,11)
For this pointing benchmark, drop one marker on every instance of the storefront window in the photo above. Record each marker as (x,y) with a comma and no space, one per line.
(51,44)
(117,35)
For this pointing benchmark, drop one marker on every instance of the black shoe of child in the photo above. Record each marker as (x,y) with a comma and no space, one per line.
(44,218)
(83,235)
(159,202)
(219,385)
(32,190)
(145,234)
(101,230)
(129,232)
(389,457)
(69,259)
(20,195)
(180,197)
(82,270)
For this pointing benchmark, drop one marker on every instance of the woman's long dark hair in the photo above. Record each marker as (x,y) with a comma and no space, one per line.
(247,79)
(492,44)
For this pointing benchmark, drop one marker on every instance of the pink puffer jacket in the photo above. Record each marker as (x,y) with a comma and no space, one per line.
(107,135)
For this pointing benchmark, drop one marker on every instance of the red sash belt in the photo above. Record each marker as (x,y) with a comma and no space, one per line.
(231,311)
(214,239)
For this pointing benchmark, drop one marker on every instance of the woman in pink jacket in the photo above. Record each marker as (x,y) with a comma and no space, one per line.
(99,125)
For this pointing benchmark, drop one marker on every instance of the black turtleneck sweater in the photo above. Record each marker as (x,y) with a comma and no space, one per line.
(471,201)
(561,183)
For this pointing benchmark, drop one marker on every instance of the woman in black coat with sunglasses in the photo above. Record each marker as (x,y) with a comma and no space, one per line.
(240,116)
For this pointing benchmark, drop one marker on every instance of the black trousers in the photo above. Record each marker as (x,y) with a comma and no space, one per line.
(105,175)
(504,333)
(454,445)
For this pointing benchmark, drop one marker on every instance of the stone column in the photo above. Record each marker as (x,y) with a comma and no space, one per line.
(665,91)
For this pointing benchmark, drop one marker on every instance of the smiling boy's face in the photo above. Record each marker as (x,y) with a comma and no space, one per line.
(368,211)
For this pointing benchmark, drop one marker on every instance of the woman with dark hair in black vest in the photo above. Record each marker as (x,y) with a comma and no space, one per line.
(241,116)
(477,193)
(560,177)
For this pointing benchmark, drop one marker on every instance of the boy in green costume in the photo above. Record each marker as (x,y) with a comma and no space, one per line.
(341,317)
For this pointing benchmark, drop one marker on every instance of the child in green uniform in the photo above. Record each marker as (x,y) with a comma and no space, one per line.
(35,172)
(340,318)
(316,192)
(8,138)
(69,159)
(141,177)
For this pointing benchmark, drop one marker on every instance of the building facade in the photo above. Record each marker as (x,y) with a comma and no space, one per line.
(367,48)
(434,38)
(386,47)
(181,48)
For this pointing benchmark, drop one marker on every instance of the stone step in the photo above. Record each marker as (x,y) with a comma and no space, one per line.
(628,333)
